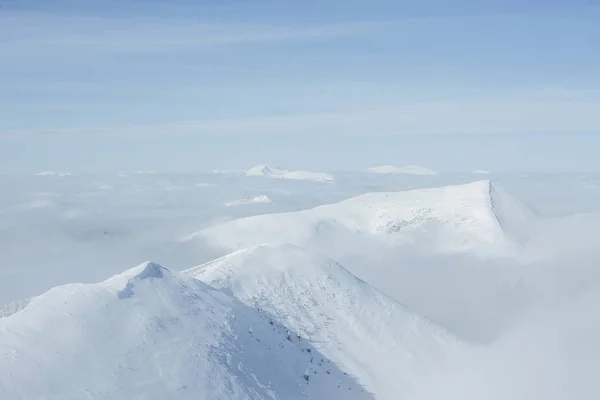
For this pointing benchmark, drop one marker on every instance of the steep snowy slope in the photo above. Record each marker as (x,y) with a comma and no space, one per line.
(406,170)
(474,216)
(272,172)
(152,334)
(359,328)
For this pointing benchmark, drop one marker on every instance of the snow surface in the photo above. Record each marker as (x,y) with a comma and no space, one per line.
(362,330)
(278,173)
(472,217)
(505,307)
(480,172)
(407,170)
(149,333)
(249,200)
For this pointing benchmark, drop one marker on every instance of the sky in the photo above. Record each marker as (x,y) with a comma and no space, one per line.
(507,86)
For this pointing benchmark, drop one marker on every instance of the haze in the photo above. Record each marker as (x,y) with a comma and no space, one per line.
(322,200)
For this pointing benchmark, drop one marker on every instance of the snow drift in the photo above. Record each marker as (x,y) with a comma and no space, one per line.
(475,216)
(152,334)
(363,331)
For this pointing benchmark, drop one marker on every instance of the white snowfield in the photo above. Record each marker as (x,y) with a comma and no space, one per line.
(249,200)
(152,334)
(363,331)
(472,217)
(278,173)
(406,170)
(480,172)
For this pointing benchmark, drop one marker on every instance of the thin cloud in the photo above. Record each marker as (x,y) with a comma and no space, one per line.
(24,32)
(476,116)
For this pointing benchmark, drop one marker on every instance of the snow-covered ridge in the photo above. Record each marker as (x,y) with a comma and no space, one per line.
(480,172)
(449,219)
(249,200)
(407,170)
(152,333)
(359,328)
(278,173)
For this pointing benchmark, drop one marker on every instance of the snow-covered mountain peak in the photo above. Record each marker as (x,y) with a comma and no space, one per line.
(147,270)
(263,170)
(359,328)
(151,333)
(279,173)
(475,216)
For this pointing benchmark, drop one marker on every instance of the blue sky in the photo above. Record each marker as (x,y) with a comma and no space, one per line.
(180,85)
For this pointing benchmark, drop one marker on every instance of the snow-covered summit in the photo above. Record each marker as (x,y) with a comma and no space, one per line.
(264,170)
(267,171)
(474,216)
(359,328)
(274,172)
(407,170)
(154,334)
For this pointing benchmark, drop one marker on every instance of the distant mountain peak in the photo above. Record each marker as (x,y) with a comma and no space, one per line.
(264,170)
(474,216)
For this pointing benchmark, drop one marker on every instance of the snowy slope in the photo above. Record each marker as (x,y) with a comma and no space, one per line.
(278,173)
(473,216)
(359,328)
(407,170)
(152,334)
